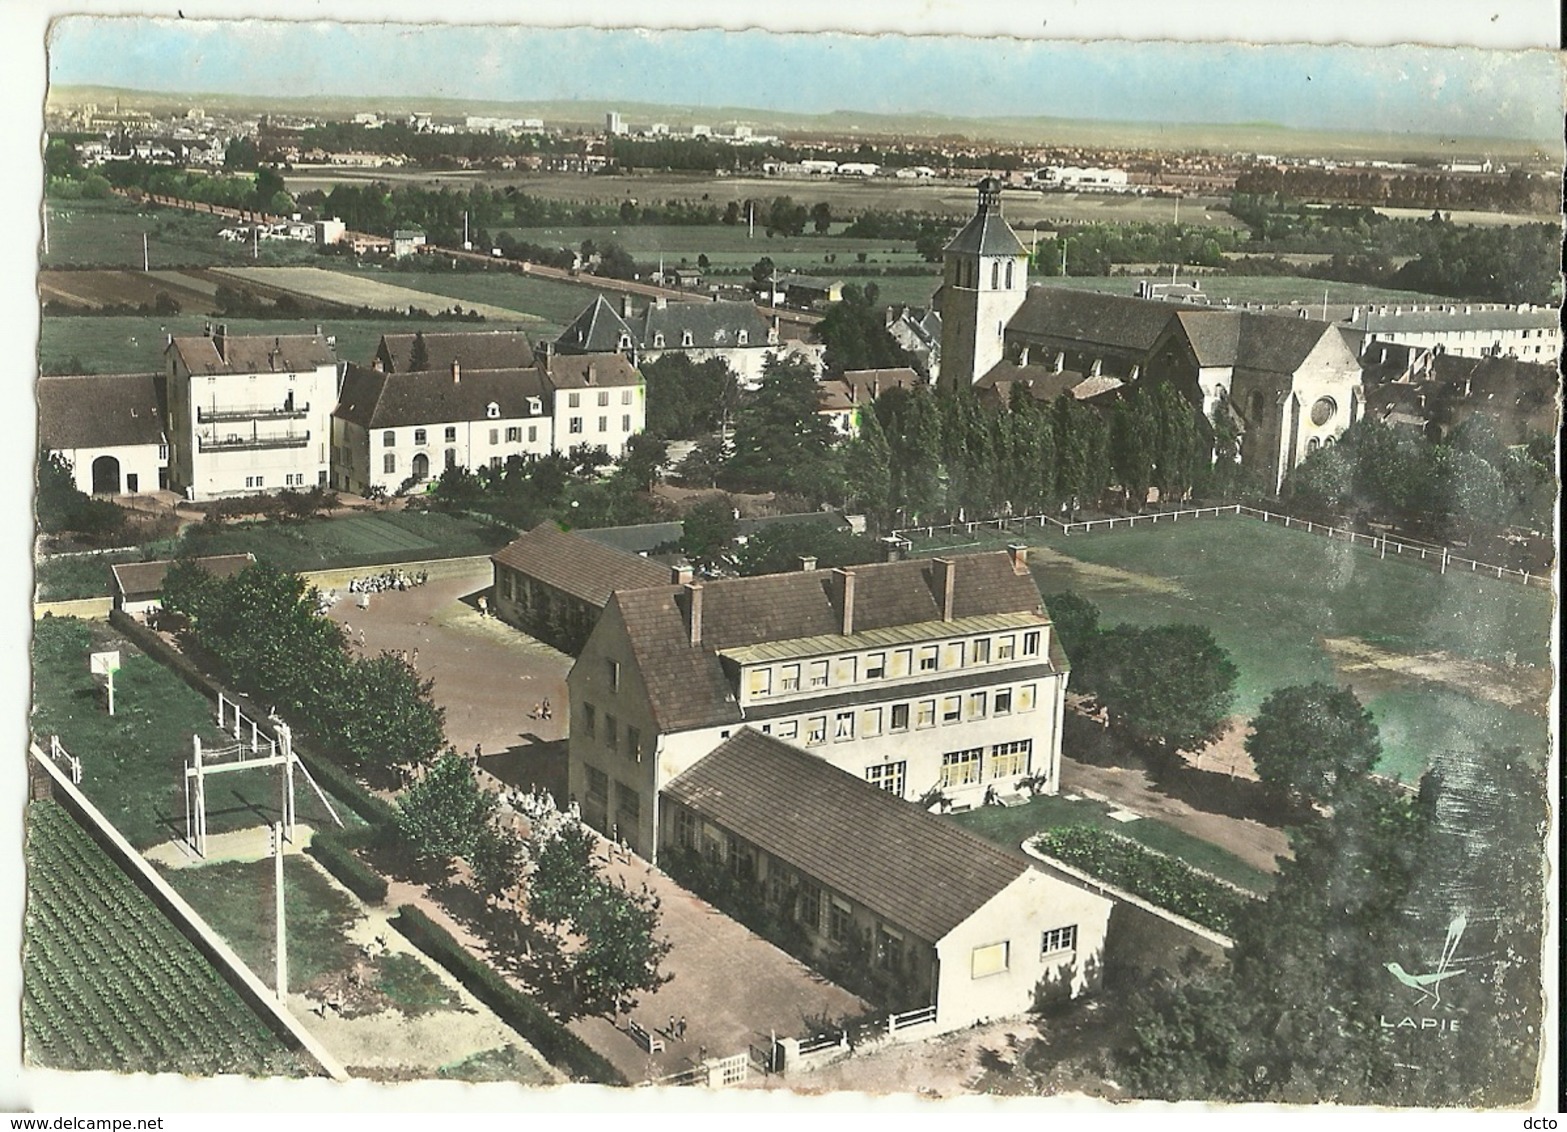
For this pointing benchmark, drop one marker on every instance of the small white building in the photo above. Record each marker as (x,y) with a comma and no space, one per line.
(108,427)
(941,917)
(599,400)
(249,414)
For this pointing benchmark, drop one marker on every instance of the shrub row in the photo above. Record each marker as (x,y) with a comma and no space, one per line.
(1170,883)
(335,852)
(340,784)
(563,1048)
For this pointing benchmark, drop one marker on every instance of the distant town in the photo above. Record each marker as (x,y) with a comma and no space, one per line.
(718,605)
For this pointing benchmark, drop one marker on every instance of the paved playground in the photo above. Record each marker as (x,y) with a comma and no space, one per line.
(733,988)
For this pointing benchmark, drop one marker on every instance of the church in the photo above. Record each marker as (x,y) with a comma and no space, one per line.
(1289,384)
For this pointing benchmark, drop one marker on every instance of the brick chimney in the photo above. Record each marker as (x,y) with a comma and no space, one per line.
(680,574)
(592,375)
(843,590)
(807,562)
(691,606)
(220,340)
(377,365)
(893,548)
(1018,553)
(946,575)
(456,372)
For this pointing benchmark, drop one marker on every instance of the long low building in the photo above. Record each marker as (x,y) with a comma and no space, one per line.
(937,915)
(108,427)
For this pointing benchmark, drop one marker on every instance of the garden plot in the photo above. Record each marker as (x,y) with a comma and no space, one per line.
(357,291)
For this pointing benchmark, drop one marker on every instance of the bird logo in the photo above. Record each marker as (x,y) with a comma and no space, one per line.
(1430,984)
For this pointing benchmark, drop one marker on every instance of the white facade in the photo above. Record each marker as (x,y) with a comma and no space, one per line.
(597,415)
(117,469)
(1037,939)
(237,427)
(387,457)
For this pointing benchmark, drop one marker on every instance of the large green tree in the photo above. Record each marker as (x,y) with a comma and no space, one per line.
(1308,740)
(441,816)
(778,430)
(1169,687)
(708,530)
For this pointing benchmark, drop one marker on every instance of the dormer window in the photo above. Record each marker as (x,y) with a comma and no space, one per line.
(625,341)
(535,406)
(658,340)
(492,411)
(742,338)
(685,338)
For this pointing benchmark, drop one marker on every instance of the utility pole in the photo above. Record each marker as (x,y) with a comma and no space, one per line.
(146,264)
(276,836)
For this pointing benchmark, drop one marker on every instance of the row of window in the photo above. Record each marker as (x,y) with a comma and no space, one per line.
(449,435)
(628,802)
(968,274)
(611,732)
(574,400)
(947,656)
(870,722)
(959,768)
(574,424)
(995,958)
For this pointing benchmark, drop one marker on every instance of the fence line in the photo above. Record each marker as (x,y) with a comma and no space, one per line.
(1440,556)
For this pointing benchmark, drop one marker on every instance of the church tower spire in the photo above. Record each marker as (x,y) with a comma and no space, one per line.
(984,281)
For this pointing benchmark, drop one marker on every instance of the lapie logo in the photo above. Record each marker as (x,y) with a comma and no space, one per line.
(1428,984)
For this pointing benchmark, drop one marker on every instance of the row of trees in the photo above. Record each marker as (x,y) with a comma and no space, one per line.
(1518,191)
(1452,488)
(262,629)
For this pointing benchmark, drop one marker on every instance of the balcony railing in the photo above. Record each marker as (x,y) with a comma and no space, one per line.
(237,443)
(253,413)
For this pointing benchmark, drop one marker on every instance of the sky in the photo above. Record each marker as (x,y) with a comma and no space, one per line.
(1446,91)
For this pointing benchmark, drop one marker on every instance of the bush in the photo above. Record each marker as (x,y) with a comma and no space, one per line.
(563,1048)
(1170,883)
(335,852)
(340,784)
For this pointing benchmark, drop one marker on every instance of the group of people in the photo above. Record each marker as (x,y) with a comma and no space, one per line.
(541,710)
(387,580)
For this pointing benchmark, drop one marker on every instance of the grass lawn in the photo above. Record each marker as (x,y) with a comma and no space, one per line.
(729,246)
(132,763)
(134,343)
(109,983)
(1272,597)
(237,899)
(362,539)
(1013,825)
(87,575)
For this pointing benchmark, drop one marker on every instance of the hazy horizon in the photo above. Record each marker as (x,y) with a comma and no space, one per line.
(1444,93)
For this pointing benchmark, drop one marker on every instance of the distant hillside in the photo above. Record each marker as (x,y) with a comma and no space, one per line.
(1263,137)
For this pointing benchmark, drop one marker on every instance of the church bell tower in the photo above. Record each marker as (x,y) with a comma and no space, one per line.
(984,281)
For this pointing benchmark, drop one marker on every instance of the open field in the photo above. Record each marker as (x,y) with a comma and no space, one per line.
(954,198)
(109,983)
(1282,601)
(360,291)
(1012,825)
(97,288)
(731,247)
(548,305)
(108,233)
(134,343)
(132,762)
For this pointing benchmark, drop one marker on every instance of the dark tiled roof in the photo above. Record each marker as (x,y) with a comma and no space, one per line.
(588,371)
(478,349)
(98,411)
(1092,319)
(392,400)
(287,353)
(597,330)
(987,233)
(138,581)
(686,683)
(908,867)
(1494,375)
(712,325)
(866,384)
(574,565)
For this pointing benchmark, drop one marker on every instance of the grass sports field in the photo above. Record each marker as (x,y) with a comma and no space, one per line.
(109,983)
(132,763)
(354,540)
(552,302)
(1427,654)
